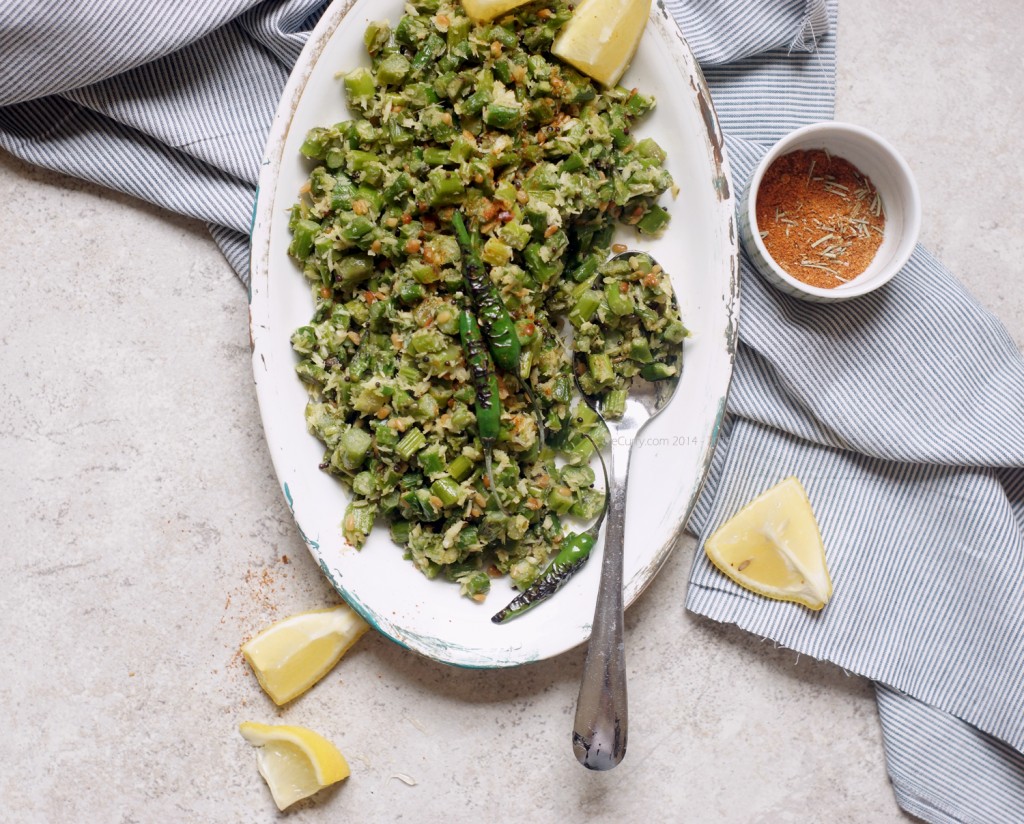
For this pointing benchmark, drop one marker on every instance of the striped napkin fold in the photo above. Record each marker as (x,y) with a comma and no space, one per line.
(900,412)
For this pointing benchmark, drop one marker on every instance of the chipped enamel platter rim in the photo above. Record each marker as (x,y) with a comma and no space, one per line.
(669,464)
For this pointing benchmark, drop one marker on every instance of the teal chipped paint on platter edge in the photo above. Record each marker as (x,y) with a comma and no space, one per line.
(310,542)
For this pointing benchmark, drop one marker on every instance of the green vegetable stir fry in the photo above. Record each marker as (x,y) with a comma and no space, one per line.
(627,324)
(447,230)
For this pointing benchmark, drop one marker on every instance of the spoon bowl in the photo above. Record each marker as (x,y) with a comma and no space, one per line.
(601,724)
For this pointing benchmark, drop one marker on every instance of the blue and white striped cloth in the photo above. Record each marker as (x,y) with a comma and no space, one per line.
(901,411)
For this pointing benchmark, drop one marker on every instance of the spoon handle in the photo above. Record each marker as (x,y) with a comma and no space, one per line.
(601,725)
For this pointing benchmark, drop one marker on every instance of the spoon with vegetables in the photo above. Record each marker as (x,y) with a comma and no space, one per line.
(628,355)
(572,554)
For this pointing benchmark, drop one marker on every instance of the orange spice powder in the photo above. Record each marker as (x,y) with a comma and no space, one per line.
(820,219)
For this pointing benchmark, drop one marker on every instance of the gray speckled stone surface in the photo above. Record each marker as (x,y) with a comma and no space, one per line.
(145,536)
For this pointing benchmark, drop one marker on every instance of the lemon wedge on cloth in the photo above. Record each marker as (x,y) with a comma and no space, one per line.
(484,10)
(773,547)
(602,36)
(290,656)
(294,761)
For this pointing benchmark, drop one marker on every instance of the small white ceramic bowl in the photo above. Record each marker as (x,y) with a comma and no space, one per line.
(893,180)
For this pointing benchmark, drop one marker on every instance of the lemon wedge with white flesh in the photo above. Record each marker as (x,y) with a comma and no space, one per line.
(294,761)
(602,36)
(773,547)
(290,656)
(483,10)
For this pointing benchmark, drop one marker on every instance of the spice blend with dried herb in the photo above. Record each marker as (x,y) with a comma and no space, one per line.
(819,217)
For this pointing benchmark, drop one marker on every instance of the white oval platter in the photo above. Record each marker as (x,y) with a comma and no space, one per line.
(672,458)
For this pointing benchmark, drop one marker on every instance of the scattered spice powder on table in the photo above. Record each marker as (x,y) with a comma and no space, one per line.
(819,217)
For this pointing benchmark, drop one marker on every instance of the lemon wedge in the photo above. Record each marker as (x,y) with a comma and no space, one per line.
(773,547)
(290,656)
(484,10)
(602,36)
(294,761)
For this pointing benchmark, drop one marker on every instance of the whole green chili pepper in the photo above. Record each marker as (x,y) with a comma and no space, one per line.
(574,552)
(494,318)
(488,406)
(498,327)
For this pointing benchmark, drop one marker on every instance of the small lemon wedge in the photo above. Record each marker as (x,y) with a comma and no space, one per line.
(294,761)
(290,656)
(602,36)
(484,10)
(773,547)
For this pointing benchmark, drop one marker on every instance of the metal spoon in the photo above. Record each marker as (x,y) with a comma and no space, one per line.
(600,729)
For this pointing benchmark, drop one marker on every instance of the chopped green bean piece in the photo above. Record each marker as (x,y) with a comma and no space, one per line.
(460,468)
(360,85)
(358,521)
(412,443)
(447,489)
